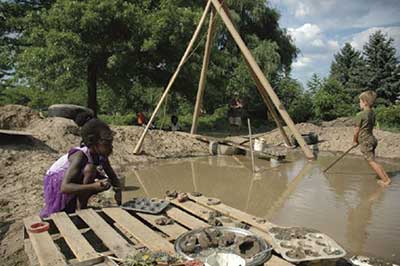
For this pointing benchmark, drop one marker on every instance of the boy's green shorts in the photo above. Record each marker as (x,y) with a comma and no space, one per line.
(368,147)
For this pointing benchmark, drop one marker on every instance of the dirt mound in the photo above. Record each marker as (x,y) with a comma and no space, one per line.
(60,134)
(339,122)
(16,116)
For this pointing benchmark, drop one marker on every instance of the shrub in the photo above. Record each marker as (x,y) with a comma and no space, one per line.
(388,117)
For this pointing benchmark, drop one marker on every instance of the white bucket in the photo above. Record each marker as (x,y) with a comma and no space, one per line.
(259,144)
(225,259)
(274,162)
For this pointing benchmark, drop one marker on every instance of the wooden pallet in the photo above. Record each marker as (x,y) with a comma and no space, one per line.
(89,237)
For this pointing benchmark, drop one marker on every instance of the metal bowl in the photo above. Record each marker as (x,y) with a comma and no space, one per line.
(260,258)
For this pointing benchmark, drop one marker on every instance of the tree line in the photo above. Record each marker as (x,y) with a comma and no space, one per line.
(116,57)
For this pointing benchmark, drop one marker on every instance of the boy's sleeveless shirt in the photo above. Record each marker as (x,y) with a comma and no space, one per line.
(365,120)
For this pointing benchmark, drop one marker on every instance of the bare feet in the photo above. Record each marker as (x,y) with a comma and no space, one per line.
(384,184)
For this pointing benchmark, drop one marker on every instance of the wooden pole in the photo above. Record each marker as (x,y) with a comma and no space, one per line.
(203,75)
(172,80)
(339,158)
(269,105)
(251,146)
(259,74)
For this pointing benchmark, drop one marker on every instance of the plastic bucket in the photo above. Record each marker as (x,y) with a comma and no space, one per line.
(259,144)
(225,259)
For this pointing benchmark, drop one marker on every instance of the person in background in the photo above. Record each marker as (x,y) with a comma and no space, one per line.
(235,113)
(73,178)
(174,124)
(140,119)
(363,135)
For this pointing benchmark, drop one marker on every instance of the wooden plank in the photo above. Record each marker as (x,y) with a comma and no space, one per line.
(173,230)
(203,74)
(78,244)
(193,208)
(223,12)
(114,241)
(33,260)
(234,213)
(14,132)
(185,219)
(140,231)
(46,250)
(276,261)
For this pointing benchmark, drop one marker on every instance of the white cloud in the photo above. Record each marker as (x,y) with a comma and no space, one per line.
(333,45)
(302,10)
(302,62)
(358,40)
(317,43)
(310,39)
(341,14)
(305,33)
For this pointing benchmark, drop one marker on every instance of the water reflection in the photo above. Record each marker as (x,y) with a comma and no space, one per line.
(346,203)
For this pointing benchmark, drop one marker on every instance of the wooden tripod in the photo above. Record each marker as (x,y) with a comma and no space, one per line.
(264,88)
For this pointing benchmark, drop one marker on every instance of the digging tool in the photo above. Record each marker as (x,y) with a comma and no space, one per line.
(339,158)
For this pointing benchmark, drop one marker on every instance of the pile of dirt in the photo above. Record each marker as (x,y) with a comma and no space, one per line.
(16,116)
(339,122)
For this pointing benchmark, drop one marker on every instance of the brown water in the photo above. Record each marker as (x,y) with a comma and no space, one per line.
(347,204)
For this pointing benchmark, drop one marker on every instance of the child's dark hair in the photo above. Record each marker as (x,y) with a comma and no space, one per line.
(91,131)
(82,118)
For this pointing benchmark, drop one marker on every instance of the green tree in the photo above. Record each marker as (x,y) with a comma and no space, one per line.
(382,67)
(127,50)
(348,67)
(297,101)
(314,84)
(332,101)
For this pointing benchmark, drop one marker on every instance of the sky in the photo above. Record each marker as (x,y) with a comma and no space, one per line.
(320,28)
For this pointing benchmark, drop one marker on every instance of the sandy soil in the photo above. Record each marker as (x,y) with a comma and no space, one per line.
(23,162)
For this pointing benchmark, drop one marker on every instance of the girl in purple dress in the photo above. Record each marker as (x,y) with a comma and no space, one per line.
(73,178)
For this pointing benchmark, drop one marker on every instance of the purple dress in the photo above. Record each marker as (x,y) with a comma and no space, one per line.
(55,200)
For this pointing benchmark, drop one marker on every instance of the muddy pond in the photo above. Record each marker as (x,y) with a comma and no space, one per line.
(346,203)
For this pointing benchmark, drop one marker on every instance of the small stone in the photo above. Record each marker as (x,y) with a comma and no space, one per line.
(196,194)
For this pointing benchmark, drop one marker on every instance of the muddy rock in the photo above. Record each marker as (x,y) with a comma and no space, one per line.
(213,218)
(164,221)
(248,246)
(188,244)
(171,194)
(196,194)
(227,239)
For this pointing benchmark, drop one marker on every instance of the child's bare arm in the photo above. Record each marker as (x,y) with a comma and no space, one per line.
(111,174)
(71,181)
(355,137)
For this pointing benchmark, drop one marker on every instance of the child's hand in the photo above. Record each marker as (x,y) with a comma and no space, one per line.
(102,185)
(118,196)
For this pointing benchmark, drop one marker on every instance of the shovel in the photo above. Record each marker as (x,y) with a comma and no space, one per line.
(339,158)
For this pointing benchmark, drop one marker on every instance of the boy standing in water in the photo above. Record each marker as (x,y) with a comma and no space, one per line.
(363,135)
